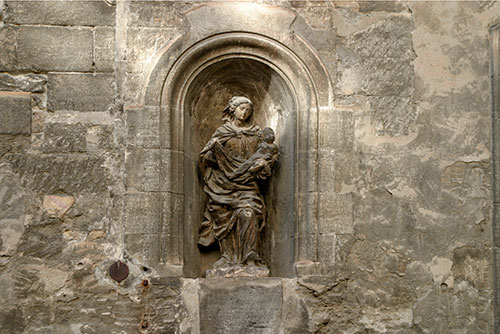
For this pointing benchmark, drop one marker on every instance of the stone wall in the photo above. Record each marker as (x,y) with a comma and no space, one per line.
(402,239)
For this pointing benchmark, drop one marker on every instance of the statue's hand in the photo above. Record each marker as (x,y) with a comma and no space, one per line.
(258,165)
(209,158)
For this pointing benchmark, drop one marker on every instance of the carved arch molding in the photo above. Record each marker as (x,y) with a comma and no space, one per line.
(188,86)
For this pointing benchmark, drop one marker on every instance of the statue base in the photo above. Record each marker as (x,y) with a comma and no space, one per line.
(246,271)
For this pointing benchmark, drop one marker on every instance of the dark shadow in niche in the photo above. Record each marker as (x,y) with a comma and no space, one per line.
(274,106)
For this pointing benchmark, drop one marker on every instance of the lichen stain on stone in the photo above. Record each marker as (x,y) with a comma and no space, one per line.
(441,271)
(57,206)
(468,179)
(366,133)
(472,265)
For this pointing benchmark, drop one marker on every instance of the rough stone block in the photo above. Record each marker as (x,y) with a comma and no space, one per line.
(104,49)
(82,13)
(327,171)
(99,139)
(8,41)
(236,306)
(377,77)
(59,138)
(172,213)
(15,113)
(327,248)
(391,38)
(142,43)
(392,115)
(153,14)
(142,213)
(307,246)
(143,169)
(336,129)
(336,213)
(34,83)
(172,223)
(381,6)
(172,171)
(143,127)
(71,174)
(307,213)
(134,245)
(54,49)
(80,92)
(294,312)
(307,170)
(153,249)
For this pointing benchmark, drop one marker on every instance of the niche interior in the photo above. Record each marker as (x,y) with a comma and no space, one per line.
(190,85)
(274,106)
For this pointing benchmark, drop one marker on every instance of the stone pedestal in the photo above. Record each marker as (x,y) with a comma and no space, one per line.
(240,306)
(237,272)
(224,305)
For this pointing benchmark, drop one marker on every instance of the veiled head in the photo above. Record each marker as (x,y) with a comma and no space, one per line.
(236,101)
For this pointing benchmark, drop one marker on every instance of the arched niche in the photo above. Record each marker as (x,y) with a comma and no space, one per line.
(195,82)
(274,106)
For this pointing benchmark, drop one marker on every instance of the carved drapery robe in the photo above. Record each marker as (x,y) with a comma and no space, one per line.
(235,210)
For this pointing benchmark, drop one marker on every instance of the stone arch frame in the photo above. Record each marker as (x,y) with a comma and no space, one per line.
(176,68)
(494,33)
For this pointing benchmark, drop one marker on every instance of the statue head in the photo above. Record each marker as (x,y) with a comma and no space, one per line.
(235,102)
(267,135)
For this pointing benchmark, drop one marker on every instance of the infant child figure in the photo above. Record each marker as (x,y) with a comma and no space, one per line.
(261,162)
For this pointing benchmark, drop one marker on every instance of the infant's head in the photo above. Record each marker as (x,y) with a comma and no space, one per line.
(268,135)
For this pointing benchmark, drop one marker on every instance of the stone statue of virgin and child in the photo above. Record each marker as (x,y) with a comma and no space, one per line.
(238,157)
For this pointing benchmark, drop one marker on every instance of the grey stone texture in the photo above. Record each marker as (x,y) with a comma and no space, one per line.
(394,227)
(34,83)
(64,138)
(104,49)
(48,48)
(251,306)
(15,117)
(80,91)
(51,12)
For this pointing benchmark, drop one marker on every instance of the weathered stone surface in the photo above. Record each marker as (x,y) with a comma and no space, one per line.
(381,6)
(166,311)
(80,92)
(53,48)
(142,213)
(377,62)
(57,205)
(172,171)
(80,13)
(8,35)
(392,114)
(336,214)
(393,237)
(34,83)
(143,169)
(389,38)
(55,173)
(143,128)
(153,14)
(237,272)
(13,207)
(336,130)
(236,305)
(142,42)
(15,113)
(104,49)
(99,139)
(59,138)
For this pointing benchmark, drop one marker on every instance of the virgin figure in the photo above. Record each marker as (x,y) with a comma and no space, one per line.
(235,160)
